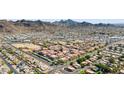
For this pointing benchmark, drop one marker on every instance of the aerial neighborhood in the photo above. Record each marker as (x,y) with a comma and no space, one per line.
(61,47)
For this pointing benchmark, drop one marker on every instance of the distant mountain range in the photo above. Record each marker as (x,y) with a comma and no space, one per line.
(67,22)
(70,22)
(38,25)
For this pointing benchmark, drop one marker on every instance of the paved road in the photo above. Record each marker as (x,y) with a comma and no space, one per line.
(47,63)
(9,65)
(60,67)
(40,59)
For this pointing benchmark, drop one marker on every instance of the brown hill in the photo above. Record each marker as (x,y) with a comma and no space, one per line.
(7,26)
(25,26)
(61,26)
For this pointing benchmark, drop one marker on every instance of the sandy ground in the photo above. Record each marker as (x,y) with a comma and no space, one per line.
(27,45)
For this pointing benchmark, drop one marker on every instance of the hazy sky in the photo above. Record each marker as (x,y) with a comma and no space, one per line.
(92,20)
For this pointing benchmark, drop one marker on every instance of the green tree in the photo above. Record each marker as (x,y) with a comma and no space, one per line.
(103,67)
(10,72)
(79,60)
(87,56)
(82,71)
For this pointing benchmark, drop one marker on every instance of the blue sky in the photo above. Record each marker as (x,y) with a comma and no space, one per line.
(92,20)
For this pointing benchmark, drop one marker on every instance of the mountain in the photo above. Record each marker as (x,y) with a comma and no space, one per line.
(38,25)
(68,22)
(7,26)
(104,25)
(28,23)
(25,26)
(86,24)
(119,25)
